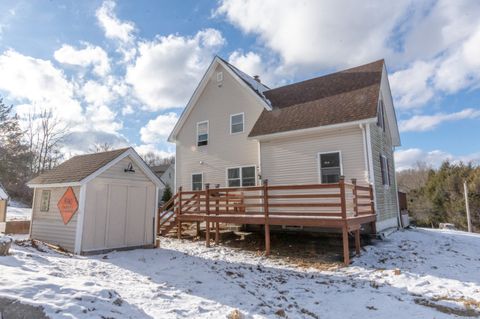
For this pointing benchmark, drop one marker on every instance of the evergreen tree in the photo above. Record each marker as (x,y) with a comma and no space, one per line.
(14,154)
(167,194)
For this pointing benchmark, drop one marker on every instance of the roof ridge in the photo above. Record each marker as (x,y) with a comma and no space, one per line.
(326,75)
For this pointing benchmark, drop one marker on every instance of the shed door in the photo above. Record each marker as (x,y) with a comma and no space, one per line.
(117,214)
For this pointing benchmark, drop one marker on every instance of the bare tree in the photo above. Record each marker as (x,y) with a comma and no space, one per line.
(45,134)
(153,159)
(100,147)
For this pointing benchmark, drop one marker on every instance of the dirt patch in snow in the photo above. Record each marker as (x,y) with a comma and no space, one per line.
(13,309)
(454,309)
(306,250)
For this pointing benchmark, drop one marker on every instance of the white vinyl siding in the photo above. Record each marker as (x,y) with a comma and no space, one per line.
(202,133)
(48,226)
(330,166)
(241,176)
(294,160)
(237,123)
(216,104)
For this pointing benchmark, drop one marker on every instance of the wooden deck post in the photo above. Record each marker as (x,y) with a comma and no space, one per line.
(265,211)
(207,209)
(346,251)
(357,241)
(198,229)
(355,198)
(217,224)
(179,212)
(343,207)
(372,208)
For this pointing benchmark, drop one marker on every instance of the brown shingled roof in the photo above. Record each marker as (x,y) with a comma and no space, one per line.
(77,168)
(345,96)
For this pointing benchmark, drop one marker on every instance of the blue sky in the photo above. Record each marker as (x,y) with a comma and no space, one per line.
(121,71)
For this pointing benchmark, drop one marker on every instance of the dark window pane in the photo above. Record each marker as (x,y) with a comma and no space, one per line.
(248,182)
(233,182)
(330,160)
(233,173)
(237,128)
(197,182)
(248,172)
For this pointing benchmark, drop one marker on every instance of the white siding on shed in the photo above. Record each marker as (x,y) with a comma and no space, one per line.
(49,226)
(119,209)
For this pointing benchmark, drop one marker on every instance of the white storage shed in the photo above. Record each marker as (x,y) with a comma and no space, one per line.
(97,202)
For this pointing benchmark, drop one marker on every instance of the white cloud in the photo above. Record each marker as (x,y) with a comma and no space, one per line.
(35,84)
(159,128)
(37,81)
(167,69)
(96,93)
(411,87)
(88,56)
(253,64)
(127,109)
(114,28)
(150,148)
(311,32)
(408,158)
(433,45)
(419,123)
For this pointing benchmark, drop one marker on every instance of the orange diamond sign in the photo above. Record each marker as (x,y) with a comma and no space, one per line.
(68,205)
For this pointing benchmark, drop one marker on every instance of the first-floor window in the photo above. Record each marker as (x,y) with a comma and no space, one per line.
(241,176)
(330,167)
(197,182)
(385,167)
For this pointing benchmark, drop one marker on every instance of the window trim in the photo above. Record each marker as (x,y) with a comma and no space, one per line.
(381,113)
(47,209)
(319,163)
(208,132)
(241,177)
(386,166)
(243,123)
(219,76)
(191,180)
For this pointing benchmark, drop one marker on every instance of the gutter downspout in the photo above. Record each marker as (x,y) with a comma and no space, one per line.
(370,163)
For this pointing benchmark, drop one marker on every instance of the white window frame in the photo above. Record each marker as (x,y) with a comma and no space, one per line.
(381,114)
(208,132)
(219,76)
(191,179)
(243,123)
(320,167)
(386,166)
(241,177)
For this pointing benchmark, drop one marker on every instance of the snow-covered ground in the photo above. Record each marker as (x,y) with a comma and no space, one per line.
(413,274)
(18,211)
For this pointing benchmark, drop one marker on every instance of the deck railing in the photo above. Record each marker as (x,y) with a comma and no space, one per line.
(338,205)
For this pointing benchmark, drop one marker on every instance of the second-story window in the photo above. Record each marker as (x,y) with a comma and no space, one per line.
(236,123)
(381,115)
(202,133)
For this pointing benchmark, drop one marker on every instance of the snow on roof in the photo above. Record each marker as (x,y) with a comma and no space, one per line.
(256,86)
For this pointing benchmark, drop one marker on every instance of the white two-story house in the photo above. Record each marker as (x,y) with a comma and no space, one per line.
(235,131)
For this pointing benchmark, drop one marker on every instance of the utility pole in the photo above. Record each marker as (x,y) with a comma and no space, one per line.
(467,206)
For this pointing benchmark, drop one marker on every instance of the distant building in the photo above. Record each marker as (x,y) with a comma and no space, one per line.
(3,203)
(166,173)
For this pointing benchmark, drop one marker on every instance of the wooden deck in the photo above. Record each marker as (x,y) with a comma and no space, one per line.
(343,206)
